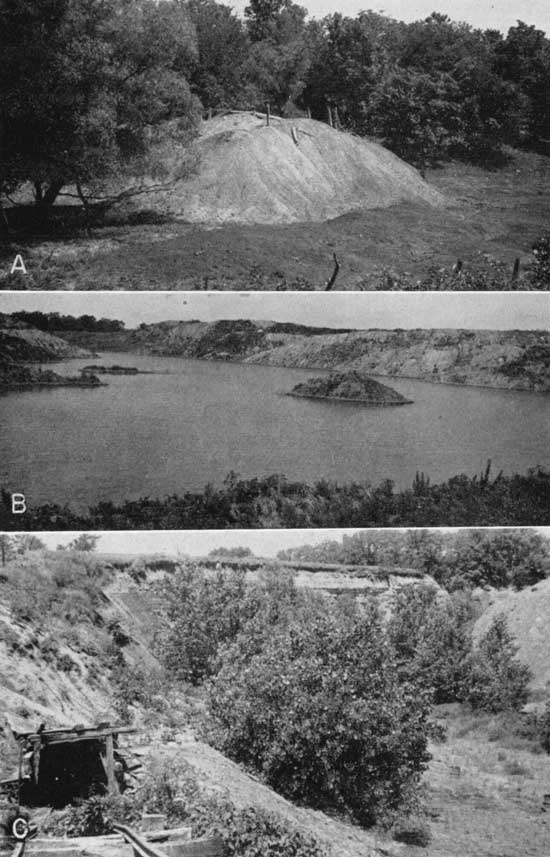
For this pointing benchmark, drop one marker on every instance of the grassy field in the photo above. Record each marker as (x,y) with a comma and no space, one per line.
(485,792)
(491,218)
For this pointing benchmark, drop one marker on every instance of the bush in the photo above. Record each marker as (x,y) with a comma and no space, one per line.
(432,638)
(208,611)
(204,611)
(319,712)
(494,679)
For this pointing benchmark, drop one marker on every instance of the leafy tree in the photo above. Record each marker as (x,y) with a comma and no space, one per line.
(495,679)
(7,550)
(279,55)
(496,558)
(86,542)
(218,76)
(231,553)
(523,58)
(431,634)
(28,542)
(89,87)
(204,612)
(318,710)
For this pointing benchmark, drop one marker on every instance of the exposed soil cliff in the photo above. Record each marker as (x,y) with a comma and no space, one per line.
(27,344)
(510,359)
(350,386)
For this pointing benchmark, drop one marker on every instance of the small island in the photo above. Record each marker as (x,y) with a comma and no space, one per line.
(112,370)
(351,386)
(16,375)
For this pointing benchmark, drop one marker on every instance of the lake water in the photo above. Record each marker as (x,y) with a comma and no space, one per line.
(197,420)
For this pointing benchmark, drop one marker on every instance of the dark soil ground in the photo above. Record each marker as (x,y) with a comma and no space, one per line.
(492,218)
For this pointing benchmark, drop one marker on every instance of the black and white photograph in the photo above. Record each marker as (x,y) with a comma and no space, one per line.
(270,145)
(161,412)
(318,693)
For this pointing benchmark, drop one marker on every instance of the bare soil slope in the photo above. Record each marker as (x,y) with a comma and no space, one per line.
(292,170)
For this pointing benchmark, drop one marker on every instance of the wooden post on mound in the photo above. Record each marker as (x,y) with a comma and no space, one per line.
(267,112)
(336,117)
(329,111)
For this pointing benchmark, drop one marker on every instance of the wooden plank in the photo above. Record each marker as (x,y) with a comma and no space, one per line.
(72,736)
(109,764)
(212,847)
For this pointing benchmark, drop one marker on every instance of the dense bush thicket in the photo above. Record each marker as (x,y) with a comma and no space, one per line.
(103,86)
(324,698)
(457,560)
(319,711)
(274,501)
(434,643)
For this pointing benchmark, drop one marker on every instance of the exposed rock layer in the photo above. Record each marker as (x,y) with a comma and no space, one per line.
(509,359)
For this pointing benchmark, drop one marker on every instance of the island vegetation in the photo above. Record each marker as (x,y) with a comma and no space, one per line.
(351,386)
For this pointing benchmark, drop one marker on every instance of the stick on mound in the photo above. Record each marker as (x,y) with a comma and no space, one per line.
(292,170)
(349,387)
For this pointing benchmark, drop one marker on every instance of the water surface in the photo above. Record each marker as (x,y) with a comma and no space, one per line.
(196,420)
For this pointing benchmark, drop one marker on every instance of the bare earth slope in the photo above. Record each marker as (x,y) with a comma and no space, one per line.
(292,170)
(508,359)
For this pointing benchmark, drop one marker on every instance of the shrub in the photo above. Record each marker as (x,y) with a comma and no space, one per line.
(319,712)
(495,680)
(170,787)
(432,638)
(204,613)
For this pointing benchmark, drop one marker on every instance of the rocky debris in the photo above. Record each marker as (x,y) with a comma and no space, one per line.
(352,386)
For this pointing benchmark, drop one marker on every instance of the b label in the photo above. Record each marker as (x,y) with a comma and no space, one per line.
(18,504)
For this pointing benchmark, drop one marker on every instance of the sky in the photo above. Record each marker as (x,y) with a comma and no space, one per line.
(264,543)
(472,310)
(478,13)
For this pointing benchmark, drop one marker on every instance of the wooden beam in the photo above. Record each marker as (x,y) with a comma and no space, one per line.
(109,764)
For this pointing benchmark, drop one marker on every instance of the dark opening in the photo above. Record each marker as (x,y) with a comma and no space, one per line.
(66,772)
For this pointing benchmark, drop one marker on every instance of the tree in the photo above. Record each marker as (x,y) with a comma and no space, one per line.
(495,679)
(7,551)
(86,542)
(28,542)
(498,558)
(318,710)
(89,87)
(218,76)
(431,634)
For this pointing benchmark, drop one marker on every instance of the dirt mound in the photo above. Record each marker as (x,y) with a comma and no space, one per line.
(527,614)
(292,170)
